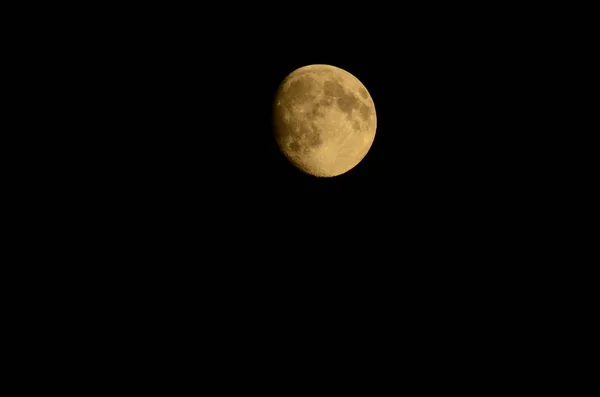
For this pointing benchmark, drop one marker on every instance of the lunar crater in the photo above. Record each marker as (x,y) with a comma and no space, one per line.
(365,112)
(301,89)
(333,88)
(347,103)
(295,146)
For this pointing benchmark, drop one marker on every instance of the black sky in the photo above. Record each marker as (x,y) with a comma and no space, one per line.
(442,118)
(189,208)
(193,140)
(173,199)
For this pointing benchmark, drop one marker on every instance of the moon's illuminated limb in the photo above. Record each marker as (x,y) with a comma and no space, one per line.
(325,120)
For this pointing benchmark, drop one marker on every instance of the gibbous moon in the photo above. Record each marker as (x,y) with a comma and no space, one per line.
(324,120)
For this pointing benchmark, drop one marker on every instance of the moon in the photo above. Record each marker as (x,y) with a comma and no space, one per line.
(324,120)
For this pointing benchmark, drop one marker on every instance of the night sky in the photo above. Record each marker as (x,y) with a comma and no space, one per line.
(196,217)
(448,171)
(438,149)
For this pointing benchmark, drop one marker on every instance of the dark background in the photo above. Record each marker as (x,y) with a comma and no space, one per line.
(188,105)
(180,163)
(185,216)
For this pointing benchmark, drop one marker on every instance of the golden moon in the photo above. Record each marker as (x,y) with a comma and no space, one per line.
(324,120)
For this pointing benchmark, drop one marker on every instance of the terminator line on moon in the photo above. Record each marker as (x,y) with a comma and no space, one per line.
(324,120)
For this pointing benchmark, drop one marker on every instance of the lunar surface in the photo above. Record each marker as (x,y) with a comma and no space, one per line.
(324,120)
